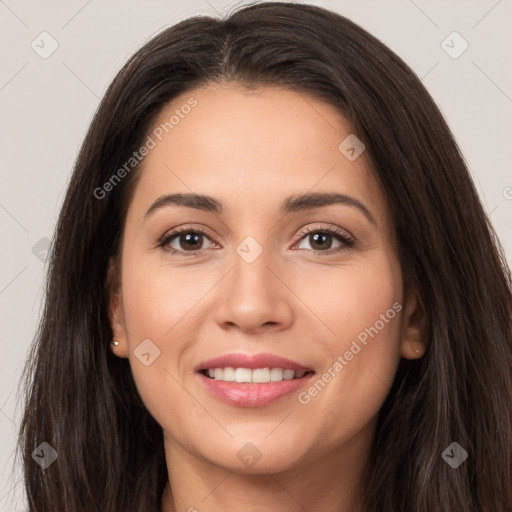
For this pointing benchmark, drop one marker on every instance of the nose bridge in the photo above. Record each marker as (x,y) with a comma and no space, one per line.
(252,276)
(253,296)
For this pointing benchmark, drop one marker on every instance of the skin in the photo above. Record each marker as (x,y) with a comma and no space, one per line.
(251,150)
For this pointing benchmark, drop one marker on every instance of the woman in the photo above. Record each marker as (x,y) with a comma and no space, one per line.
(272,286)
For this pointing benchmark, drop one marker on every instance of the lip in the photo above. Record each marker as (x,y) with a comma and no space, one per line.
(252,395)
(252,361)
(243,394)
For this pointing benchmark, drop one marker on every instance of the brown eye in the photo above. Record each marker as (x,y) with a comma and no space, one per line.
(184,241)
(321,240)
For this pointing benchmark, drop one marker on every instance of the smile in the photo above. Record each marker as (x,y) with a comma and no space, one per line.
(252,380)
(258,376)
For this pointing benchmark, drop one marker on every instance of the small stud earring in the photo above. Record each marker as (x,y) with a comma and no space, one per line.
(115,343)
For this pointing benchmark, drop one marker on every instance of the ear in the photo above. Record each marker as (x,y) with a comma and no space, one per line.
(413,334)
(115,310)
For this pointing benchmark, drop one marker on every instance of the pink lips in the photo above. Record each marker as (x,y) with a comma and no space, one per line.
(251,361)
(252,394)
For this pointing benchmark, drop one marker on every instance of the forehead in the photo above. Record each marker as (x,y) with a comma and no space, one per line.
(252,148)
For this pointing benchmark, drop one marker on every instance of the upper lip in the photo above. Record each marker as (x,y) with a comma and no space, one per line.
(251,361)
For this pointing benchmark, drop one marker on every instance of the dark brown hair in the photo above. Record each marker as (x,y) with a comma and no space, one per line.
(82,400)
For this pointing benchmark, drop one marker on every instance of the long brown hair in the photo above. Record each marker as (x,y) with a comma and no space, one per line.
(82,400)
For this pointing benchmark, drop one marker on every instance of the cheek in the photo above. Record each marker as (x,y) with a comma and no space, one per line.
(158,300)
(366,313)
(348,300)
(159,315)
(362,307)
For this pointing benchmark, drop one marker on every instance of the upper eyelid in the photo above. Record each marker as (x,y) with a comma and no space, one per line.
(308,230)
(178,230)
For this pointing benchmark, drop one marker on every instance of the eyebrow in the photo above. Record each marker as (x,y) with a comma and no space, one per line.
(291,204)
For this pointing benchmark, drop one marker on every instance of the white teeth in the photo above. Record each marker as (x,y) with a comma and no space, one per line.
(276,374)
(241,374)
(260,375)
(228,375)
(288,374)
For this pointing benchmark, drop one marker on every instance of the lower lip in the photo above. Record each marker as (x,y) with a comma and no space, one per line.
(252,395)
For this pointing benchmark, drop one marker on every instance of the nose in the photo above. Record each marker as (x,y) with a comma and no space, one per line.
(254,297)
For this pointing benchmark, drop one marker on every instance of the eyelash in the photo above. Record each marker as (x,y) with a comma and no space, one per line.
(342,236)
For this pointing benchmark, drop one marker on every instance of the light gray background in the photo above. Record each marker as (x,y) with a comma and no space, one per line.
(46,106)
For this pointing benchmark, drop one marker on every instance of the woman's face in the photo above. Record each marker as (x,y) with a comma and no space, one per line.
(256,286)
